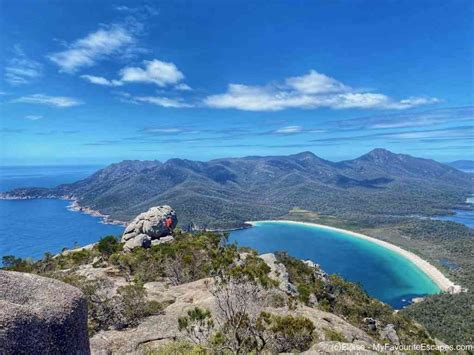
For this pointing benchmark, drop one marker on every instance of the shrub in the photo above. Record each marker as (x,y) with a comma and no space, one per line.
(13,263)
(109,245)
(287,333)
(178,348)
(334,335)
(133,306)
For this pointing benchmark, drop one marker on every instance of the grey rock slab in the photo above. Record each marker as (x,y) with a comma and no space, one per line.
(39,315)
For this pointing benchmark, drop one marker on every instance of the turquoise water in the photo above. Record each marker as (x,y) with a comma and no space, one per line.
(29,228)
(383,273)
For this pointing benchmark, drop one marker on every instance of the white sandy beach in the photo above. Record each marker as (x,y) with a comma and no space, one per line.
(437,276)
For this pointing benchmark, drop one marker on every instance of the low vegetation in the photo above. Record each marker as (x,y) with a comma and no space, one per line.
(240,283)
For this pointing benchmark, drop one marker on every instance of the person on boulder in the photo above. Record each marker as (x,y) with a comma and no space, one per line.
(169,222)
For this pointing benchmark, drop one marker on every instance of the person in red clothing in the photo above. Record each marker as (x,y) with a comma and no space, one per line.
(169,222)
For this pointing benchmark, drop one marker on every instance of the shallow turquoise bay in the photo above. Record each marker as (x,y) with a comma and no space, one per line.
(383,273)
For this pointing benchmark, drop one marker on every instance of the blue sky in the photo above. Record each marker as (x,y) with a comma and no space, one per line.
(102,81)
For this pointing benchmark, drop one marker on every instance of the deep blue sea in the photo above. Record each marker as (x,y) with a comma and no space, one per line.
(383,273)
(29,228)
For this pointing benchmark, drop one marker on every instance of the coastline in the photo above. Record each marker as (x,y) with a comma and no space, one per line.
(105,219)
(431,271)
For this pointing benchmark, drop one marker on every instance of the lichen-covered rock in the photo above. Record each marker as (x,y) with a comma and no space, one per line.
(278,272)
(389,333)
(41,316)
(156,223)
(141,240)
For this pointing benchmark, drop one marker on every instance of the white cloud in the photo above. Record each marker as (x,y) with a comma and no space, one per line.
(99,80)
(20,69)
(316,83)
(154,71)
(309,91)
(41,99)
(85,52)
(289,130)
(163,130)
(160,101)
(183,87)
(33,117)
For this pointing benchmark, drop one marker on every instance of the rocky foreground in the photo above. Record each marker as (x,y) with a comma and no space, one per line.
(157,330)
(189,293)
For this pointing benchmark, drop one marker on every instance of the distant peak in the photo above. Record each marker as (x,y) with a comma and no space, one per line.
(306,154)
(379,153)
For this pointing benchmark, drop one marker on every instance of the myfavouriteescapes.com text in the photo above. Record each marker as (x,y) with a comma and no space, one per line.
(402,347)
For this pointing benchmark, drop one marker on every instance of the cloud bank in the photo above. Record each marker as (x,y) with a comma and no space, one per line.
(310,91)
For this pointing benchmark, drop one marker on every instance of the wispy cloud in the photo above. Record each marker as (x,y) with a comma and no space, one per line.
(99,80)
(160,101)
(95,46)
(41,99)
(289,130)
(143,11)
(412,119)
(56,132)
(183,87)
(20,69)
(445,133)
(163,130)
(309,91)
(33,117)
(420,135)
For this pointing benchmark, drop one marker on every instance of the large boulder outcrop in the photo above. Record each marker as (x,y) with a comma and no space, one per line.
(156,223)
(41,316)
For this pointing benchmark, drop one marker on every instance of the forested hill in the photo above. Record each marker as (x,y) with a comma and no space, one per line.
(224,193)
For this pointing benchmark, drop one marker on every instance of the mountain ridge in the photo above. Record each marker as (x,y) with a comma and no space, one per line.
(226,192)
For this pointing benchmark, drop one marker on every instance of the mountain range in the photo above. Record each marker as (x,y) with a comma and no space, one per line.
(224,193)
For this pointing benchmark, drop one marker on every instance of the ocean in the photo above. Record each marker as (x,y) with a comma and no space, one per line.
(30,228)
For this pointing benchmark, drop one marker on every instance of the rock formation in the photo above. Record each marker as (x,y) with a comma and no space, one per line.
(157,330)
(156,223)
(39,315)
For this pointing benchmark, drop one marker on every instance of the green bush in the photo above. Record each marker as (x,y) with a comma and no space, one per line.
(334,335)
(109,245)
(287,333)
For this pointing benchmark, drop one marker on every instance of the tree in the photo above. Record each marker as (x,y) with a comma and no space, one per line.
(239,305)
(197,325)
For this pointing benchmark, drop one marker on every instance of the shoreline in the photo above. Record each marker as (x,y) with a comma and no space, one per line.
(431,271)
(74,206)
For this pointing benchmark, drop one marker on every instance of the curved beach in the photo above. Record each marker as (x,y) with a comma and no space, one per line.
(431,271)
